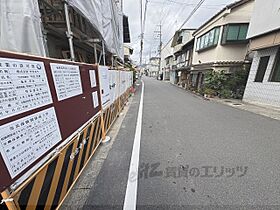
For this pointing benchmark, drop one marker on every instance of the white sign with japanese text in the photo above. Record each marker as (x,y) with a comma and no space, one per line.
(23,86)
(104,85)
(67,80)
(95,99)
(92,78)
(25,140)
(113,85)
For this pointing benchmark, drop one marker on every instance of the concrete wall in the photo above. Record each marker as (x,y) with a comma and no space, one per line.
(265,41)
(265,17)
(167,51)
(230,52)
(265,92)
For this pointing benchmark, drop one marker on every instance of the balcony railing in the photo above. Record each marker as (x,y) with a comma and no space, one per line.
(182,64)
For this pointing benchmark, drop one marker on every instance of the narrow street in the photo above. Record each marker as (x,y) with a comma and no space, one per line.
(139,105)
(193,153)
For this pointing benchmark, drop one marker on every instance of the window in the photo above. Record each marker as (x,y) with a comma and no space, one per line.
(167,61)
(217,35)
(234,33)
(275,77)
(180,40)
(209,39)
(262,68)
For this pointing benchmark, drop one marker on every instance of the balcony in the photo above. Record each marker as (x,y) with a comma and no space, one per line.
(182,65)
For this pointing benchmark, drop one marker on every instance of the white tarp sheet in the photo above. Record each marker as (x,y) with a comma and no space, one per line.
(20,27)
(106,18)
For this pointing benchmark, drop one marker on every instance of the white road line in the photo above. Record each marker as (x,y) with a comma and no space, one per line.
(132,182)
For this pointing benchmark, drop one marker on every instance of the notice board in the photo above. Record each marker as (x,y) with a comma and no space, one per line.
(42,102)
(105,85)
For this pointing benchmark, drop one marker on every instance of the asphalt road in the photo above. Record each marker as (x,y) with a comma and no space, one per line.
(194,154)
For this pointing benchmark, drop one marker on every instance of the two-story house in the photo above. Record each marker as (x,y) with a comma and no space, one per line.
(153,67)
(263,86)
(220,43)
(167,66)
(183,60)
(182,45)
(166,61)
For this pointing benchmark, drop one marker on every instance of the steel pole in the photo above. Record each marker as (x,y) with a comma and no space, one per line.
(69,33)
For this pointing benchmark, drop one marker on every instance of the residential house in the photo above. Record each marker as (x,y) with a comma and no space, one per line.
(166,61)
(167,66)
(183,62)
(180,39)
(220,43)
(153,67)
(263,86)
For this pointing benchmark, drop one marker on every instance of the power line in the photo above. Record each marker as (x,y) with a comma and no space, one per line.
(176,17)
(188,18)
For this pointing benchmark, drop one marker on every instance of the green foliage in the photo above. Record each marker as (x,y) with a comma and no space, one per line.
(226,86)
(210,92)
(225,93)
(237,83)
(215,80)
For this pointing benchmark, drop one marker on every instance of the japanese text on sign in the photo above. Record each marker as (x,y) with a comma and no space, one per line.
(23,86)
(95,99)
(67,80)
(92,78)
(105,85)
(25,140)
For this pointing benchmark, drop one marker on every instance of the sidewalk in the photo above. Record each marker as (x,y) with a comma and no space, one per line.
(260,109)
(265,110)
(80,193)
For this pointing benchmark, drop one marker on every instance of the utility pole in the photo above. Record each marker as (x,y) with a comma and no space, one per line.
(141,51)
(160,46)
(142,35)
(143,16)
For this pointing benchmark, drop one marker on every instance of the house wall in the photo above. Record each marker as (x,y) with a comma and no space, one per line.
(232,52)
(265,92)
(187,36)
(264,11)
(267,40)
(167,51)
(153,67)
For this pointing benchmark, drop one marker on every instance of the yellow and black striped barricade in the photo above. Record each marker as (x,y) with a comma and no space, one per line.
(49,186)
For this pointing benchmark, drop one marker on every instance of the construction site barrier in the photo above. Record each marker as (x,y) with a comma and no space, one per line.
(48,186)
